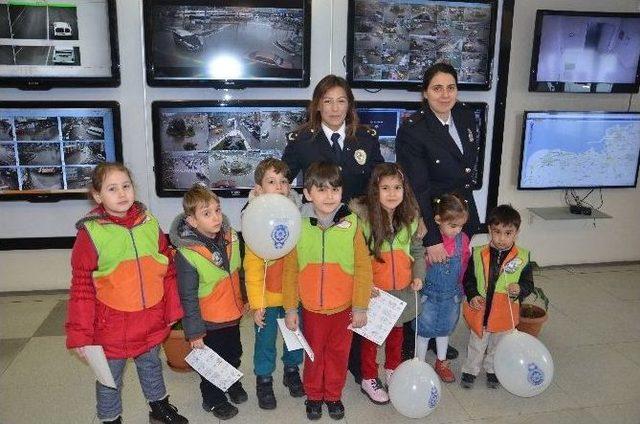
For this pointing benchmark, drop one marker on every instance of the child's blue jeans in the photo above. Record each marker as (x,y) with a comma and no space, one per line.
(264,353)
(149,369)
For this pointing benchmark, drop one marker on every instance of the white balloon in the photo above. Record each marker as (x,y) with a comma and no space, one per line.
(271,225)
(523,364)
(415,389)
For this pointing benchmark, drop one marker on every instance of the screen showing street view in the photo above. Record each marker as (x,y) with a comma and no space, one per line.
(396,40)
(53,150)
(56,39)
(219,146)
(580,149)
(229,42)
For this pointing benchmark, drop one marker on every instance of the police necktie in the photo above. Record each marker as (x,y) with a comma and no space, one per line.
(337,150)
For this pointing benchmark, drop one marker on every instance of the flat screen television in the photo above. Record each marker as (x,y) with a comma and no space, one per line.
(58,44)
(48,149)
(228,43)
(386,117)
(218,144)
(390,43)
(571,150)
(585,52)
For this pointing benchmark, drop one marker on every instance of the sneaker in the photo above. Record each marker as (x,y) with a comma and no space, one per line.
(162,412)
(443,371)
(372,387)
(116,421)
(291,379)
(223,411)
(388,373)
(264,393)
(492,381)
(336,409)
(237,394)
(467,380)
(452,352)
(314,409)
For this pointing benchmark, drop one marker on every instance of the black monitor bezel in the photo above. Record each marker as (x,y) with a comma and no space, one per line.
(417,85)
(559,86)
(522,146)
(117,141)
(240,83)
(48,82)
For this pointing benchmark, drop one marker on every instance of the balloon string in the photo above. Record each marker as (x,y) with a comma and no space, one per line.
(513,324)
(415,339)
(264,285)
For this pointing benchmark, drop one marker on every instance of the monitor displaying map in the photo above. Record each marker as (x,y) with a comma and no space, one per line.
(579,150)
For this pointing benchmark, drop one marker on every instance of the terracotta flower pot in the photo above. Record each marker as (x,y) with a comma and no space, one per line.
(176,347)
(531,319)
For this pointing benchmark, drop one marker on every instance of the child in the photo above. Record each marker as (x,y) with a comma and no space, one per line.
(442,290)
(329,271)
(389,216)
(498,276)
(123,292)
(265,297)
(207,262)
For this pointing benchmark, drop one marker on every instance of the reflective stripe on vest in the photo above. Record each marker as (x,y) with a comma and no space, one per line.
(131,270)
(218,290)
(326,260)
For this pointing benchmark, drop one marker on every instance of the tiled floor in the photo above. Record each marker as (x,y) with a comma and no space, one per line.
(593,334)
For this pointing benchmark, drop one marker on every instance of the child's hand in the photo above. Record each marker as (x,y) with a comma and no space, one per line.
(436,253)
(374,292)
(359,319)
(197,344)
(80,352)
(258,317)
(513,289)
(416,284)
(477,302)
(291,321)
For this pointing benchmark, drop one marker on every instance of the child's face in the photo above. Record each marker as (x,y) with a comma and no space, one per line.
(451,227)
(117,194)
(273,182)
(207,219)
(391,192)
(502,237)
(325,199)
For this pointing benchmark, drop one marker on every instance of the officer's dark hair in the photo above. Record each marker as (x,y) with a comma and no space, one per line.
(322,174)
(504,215)
(431,72)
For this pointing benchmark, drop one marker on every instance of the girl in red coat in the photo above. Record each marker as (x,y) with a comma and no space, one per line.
(123,293)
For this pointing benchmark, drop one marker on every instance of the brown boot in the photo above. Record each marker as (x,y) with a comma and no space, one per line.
(443,371)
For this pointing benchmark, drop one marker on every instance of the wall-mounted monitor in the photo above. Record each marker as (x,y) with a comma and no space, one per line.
(390,43)
(70,43)
(386,117)
(585,52)
(48,149)
(570,150)
(218,144)
(228,43)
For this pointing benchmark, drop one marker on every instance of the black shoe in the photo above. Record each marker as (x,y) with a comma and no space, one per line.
(264,392)
(314,409)
(492,381)
(163,412)
(237,394)
(467,380)
(291,379)
(116,421)
(223,411)
(452,352)
(336,409)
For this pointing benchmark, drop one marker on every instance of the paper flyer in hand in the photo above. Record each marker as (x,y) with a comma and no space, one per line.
(212,367)
(98,363)
(384,311)
(294,340)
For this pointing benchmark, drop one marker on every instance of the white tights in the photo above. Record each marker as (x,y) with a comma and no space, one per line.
(442,344)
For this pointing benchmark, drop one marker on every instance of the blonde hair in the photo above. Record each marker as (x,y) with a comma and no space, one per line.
(195,196)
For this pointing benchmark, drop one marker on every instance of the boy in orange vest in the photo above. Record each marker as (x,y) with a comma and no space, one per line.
(329,272)
(497,278)
(207,262)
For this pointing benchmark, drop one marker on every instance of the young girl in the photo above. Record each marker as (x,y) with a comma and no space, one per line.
(442,290)
(389,215)
(123,293)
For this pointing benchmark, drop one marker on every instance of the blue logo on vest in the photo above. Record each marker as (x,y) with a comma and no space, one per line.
(536,375)
(433,397)
(279,235)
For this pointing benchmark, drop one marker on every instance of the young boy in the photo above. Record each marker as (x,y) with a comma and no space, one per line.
(207,263)
(265,297)
(329,272)
(497,278)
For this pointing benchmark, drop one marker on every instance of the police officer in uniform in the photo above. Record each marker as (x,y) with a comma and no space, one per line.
(438,150)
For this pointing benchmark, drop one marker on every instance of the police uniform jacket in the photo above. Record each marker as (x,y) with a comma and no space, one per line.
(360,155)
(434,164)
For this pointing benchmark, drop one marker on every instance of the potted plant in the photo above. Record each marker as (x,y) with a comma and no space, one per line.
(533,316)
(177,347)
